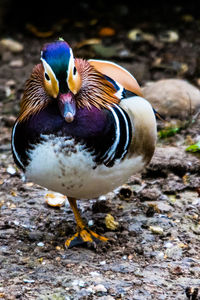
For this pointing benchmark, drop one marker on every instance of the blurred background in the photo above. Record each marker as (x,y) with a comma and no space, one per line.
(160,39)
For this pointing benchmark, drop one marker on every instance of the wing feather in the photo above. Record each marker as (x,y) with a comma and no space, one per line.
(119,74)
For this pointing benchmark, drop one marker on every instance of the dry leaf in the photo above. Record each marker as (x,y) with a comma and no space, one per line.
(156,229)
(169,36)
(135,35)
(88,42)
(12,45)
(110,222)
(106,31)
(55,199)
(41,34)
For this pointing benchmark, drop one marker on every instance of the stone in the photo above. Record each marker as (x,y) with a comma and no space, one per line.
(175,98)
(149,194)
(100,288)
(11,170)
(174,252)
(161,206)
(35,235)
(12,45)
(17,63)
(156,229)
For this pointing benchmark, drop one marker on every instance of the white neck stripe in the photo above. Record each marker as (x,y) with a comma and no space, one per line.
(112,149)
(13,147)
(127,129)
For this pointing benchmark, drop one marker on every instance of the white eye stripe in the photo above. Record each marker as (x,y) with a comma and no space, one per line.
(48,70)
(51,84)
(71,67)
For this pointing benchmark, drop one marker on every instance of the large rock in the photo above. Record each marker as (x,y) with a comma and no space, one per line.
(173,97)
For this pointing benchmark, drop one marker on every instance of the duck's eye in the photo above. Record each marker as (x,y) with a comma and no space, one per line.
(46,76)
(74,71)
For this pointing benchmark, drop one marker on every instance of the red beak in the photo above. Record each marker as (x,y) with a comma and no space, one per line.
(67,106)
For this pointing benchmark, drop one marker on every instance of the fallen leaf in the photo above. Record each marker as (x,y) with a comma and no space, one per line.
(167,132)
(106,31)
(169,36)
(13,193)
(55,199)
(138,35)
(104,51)
(40,260)
(194,148)
(12,45)
(187,18)
(41,34)
(172,198)
(156,229)
(186,179)
(88,42)
(110,222)
(135,35)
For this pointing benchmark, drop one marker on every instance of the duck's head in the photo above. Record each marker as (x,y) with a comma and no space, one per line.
(61,79)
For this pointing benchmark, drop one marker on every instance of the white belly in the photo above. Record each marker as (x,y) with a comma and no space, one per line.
(62,167)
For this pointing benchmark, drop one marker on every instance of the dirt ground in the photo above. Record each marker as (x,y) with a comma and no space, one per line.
(154,252)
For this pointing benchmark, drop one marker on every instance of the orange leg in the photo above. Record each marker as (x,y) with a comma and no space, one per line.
(84,234)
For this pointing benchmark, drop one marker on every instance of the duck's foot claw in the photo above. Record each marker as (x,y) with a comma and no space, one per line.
(84,236)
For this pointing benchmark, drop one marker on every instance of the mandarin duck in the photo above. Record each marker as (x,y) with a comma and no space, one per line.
(83,129)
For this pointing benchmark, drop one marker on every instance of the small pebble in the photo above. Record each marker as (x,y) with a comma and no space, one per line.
(78,282)
(90,223)
(11,170)
(29,281)
(8,91)
(35,235)
(102,198)
(196,201)
(124,53)
(11,83)
(160,255)
(12,45)
(95,274)
(156,229)
(196,229)
(100,288)
(18,63)
(174,252)
(164,207)
(168,245)
(40,244)
(81,283)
